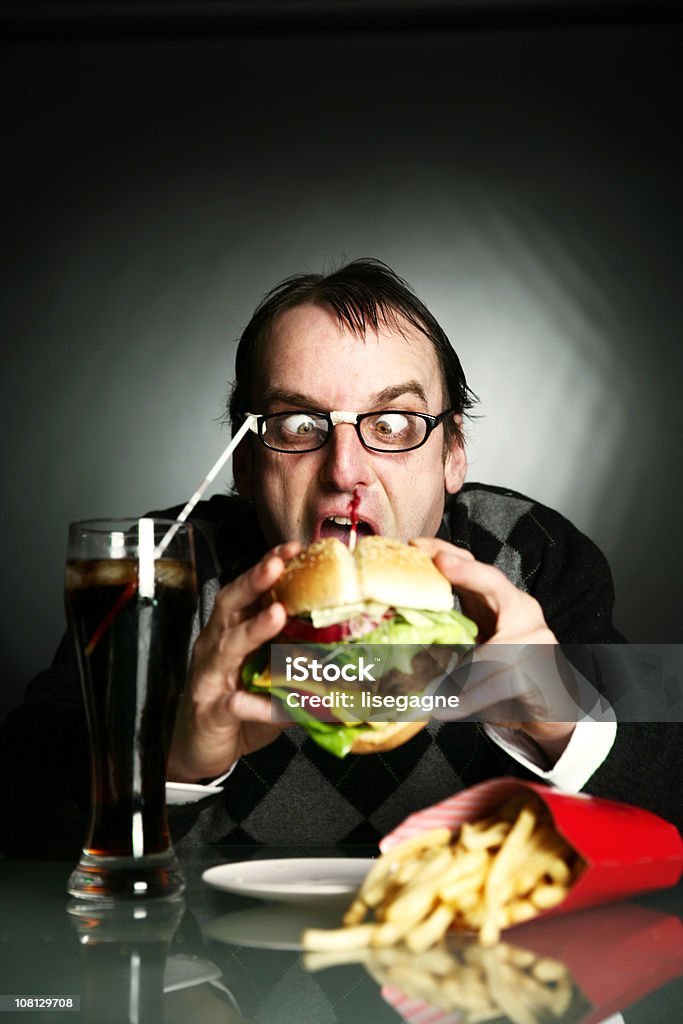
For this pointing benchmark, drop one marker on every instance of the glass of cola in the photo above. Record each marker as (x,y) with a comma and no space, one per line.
(130,598)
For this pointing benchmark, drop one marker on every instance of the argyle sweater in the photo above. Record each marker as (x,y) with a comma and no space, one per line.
(292,792)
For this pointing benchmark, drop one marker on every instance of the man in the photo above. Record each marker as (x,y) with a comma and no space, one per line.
(320,354)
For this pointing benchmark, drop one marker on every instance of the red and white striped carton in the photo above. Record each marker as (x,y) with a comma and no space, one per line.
(627,850)
(417,1011)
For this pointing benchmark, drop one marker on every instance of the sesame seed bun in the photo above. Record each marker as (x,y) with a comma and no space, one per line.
(380,570)
(327,574)
(385,736)
(323,576)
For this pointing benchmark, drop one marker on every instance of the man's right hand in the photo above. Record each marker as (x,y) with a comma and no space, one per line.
(217,722)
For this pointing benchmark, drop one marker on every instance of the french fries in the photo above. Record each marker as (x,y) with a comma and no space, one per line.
(479,983)
(495,872)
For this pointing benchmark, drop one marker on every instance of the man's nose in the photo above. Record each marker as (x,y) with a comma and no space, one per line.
(346,463)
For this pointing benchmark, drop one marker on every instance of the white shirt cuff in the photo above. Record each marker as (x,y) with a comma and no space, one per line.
(588,747)
(192,792)
(221,778)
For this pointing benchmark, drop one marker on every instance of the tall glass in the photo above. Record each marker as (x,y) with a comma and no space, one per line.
(130,599)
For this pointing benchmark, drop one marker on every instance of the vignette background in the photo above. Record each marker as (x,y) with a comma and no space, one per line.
(521,168)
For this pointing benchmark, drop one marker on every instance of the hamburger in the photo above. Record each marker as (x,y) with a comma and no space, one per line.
(384,592)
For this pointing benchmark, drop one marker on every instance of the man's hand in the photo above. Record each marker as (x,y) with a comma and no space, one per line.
(527,676)
(217,722)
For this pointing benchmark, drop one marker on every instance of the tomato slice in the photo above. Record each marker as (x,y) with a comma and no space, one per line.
(303,631)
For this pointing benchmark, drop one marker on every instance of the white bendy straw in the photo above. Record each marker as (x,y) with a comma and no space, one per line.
(210,476)
(353,512)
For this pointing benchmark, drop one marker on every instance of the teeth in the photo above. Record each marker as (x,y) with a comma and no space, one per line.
(340,520)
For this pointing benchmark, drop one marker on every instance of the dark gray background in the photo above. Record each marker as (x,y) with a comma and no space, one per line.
(524,176)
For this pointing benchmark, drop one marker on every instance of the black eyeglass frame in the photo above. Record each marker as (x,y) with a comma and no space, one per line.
(354,419)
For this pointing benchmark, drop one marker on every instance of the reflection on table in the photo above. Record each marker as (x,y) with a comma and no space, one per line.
(220,958)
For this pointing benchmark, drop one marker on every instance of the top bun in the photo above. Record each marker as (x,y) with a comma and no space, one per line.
(327,574)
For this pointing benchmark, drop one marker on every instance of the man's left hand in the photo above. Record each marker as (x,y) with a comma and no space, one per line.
(517,675)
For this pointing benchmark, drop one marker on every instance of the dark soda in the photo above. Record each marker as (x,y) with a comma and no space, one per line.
(132,675)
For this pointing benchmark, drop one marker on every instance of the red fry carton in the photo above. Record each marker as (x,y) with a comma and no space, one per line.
(627,850)
(615,955)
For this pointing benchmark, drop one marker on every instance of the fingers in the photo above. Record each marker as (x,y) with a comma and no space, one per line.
(207,741)
(222,647)
(254,583)
(237,626)
(503,612)
(460,567)
(499,688)
(479,579)
(216,722)
(434,546)
(251,707)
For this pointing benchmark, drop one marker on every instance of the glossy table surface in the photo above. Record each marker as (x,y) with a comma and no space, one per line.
(210,958)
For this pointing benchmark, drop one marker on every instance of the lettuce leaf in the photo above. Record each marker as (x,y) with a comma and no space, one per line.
(336,739)
(408,628)
(421,627)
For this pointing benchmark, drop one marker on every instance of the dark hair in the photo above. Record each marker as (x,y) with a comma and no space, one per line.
(363,293)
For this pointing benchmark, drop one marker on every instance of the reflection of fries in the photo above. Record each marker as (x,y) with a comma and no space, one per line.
(340,938)
(481,984)
(496,872)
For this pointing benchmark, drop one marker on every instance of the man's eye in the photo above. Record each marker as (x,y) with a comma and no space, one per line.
(299,423)
(390,423)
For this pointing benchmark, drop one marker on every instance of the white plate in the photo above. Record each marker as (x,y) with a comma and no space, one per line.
(301,881)
(270,925)
(188,792)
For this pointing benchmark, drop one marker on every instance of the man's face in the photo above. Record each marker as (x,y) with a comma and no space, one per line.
(311,362)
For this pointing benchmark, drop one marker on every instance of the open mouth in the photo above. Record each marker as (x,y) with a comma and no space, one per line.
(340,527)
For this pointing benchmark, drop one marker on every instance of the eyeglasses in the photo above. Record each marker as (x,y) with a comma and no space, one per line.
(302,430)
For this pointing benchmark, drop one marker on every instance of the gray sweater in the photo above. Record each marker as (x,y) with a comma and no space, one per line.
(292,792)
